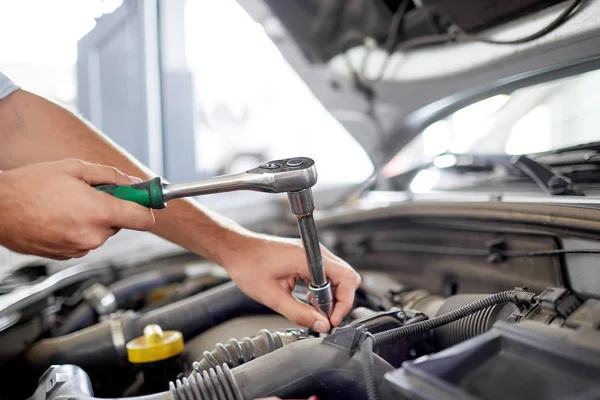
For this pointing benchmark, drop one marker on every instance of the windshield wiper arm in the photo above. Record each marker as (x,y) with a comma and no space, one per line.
(546,177)
(591,146)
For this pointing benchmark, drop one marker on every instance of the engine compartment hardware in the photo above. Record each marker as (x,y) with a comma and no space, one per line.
(155,345)
(238,352)
(104,343)
(101,299)
(546,177)
(493,366)
(26,296)
(63,381)
(515,296)
(558,302)
(588,315)
(471,325)
(157,358)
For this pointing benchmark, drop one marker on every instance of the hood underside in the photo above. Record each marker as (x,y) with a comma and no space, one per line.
(360,58)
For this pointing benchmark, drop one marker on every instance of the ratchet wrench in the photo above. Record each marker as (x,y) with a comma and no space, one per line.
(295,176)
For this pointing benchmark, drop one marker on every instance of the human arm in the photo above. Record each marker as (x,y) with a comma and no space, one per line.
(34,130)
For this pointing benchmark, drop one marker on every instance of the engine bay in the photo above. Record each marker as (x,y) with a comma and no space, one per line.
(463,301)
(178,328)
(478,287)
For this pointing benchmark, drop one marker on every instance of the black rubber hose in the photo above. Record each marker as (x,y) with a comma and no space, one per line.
(103,345)
(91,348)
(516,296)
(196,314)
(368,368)
(214,384)
(472,325)
(238,352)
(187,289)
(84,315)
(302,369)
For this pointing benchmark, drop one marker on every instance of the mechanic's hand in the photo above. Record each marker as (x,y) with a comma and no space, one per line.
(267,268)
(50,209)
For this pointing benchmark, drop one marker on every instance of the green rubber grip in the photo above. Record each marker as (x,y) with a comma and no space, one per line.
(147,194)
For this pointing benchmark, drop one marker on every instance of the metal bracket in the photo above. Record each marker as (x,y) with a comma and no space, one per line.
(348,339)
(101,299)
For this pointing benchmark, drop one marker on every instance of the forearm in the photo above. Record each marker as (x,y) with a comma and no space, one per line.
(33,129)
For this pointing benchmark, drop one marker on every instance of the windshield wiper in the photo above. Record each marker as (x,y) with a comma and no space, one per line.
(546,177)
(591,146)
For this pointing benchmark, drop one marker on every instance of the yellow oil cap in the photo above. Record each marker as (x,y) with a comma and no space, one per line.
(155,345)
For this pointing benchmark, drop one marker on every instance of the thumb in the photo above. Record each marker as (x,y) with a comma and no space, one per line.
(299,313)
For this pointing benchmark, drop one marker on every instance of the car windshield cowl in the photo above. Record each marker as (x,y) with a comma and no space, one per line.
(556,172)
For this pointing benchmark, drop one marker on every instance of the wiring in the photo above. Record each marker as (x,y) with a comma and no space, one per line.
(459,35)
(514,296)
(365,86)
(369,368)
(431,249)
(389,44)
(562,17)
(392,36)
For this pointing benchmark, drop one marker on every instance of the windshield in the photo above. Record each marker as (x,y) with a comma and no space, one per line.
(538,118)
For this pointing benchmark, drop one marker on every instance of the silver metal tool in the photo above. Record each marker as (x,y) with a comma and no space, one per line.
(278,176)
(295,176)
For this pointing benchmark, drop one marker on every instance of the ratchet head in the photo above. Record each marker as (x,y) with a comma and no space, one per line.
(287,175)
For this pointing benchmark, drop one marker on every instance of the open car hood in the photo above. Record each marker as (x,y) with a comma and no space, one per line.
(328,42)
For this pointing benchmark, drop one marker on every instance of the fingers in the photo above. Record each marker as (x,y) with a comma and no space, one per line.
(344,295)
(96,174)
(346,281)
(299,313)
(113,212)
(128,215)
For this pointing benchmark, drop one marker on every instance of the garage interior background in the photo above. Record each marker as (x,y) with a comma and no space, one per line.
(192,88)
(195,88)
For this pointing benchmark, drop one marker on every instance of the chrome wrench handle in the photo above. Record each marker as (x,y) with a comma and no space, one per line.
(296,176)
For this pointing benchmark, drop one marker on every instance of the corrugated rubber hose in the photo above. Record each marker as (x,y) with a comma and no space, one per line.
(515,296)
(238,352)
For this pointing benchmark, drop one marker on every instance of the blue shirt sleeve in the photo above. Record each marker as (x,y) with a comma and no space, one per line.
(6,86)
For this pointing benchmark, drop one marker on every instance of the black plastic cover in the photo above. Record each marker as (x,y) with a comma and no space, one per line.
(475,15)
(508,362)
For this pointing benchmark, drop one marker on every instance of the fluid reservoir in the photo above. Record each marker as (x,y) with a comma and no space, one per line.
(157,356)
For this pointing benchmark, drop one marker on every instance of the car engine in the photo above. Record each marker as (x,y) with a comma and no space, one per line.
(178,328)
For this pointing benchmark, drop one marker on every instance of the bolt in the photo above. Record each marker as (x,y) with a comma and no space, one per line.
(295,162)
